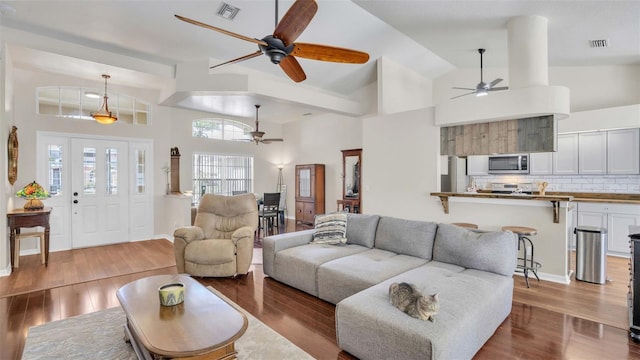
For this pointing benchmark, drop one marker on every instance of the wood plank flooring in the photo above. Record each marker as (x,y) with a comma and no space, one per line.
(547,321)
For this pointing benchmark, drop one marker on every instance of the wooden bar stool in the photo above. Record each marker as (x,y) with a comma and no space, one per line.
(466,225)
(25,236)
(527,262)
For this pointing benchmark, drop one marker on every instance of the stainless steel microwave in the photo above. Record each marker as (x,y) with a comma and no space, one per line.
(509,164)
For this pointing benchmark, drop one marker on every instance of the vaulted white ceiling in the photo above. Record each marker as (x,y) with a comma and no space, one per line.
(430,37)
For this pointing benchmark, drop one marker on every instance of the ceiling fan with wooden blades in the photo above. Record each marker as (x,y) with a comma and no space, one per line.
(482,88)
(257,135)
(281,47)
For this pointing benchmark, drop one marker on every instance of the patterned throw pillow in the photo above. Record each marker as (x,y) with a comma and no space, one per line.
(330,229)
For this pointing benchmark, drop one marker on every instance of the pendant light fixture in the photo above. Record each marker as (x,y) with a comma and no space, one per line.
(104,116)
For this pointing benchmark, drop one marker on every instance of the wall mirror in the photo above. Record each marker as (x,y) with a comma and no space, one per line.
(352,173)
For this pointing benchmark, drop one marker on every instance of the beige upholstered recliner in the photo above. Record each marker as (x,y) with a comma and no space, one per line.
(220,243)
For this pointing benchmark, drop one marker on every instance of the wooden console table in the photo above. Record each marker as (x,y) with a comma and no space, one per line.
(20,218)
(353,205)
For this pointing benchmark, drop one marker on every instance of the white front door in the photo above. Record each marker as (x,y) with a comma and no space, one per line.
(99,192)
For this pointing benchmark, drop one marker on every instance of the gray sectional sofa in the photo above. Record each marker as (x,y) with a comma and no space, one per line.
(471,272)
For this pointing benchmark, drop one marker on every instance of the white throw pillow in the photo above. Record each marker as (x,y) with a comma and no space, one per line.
(330,229)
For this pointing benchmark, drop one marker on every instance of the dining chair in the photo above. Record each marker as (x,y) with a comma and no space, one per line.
(269,212)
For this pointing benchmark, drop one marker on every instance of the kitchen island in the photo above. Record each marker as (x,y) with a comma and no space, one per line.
(551,215)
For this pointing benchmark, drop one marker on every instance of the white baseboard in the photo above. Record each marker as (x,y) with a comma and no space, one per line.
(6,271)
(548,277)
(162,236)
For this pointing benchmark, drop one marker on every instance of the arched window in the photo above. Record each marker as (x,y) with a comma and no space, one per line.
(79,103)
(221,129)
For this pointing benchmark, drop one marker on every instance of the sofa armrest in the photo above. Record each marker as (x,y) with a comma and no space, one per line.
(272,244)
(243,239)
(182,237)
(189,233)
(494,251)
(243,233)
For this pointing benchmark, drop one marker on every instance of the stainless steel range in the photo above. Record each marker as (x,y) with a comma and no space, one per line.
(513,188)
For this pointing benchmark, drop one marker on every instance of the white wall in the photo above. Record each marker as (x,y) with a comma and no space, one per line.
(400,88)
(596,87)
(400,157)
(6,120)
(318,140)
(618,117)
(591,87)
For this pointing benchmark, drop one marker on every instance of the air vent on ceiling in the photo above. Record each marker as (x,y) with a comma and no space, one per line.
(599,43)
(228,11)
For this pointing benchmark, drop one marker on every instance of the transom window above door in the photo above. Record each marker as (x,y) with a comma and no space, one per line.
(221,129)
(79,103)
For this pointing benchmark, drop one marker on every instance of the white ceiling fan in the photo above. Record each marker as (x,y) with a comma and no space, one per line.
(257,135)
(482,88)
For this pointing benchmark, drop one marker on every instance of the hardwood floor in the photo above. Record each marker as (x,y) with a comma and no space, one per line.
(547,321)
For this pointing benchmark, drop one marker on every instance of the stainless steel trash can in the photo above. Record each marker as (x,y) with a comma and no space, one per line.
(591,254)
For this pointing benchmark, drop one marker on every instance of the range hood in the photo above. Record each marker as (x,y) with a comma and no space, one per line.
(529,93)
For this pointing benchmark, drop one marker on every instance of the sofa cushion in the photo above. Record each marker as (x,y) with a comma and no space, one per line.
(362,229)
(408,237)
(330,228)
(343,277)
(472,305)
(210,252)
(490,251)
(297,266)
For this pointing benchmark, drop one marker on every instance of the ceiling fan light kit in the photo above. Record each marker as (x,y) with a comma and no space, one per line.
(281,47)
(482,89)
(104,116)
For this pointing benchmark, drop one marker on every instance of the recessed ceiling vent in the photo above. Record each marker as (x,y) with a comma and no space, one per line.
(599,43)
(228,11)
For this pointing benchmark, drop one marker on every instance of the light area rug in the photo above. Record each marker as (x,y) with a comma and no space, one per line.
(100,335)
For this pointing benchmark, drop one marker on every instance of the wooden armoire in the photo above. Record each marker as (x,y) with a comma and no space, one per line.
(309,192)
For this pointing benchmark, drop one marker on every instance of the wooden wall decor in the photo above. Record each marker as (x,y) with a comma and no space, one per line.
(534,134)
(175,171)
(12,151)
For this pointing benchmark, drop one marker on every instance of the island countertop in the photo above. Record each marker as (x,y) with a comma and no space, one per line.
(546,197)
(554,199)
(593,197)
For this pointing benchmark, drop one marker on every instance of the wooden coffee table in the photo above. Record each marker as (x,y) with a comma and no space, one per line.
(202,327)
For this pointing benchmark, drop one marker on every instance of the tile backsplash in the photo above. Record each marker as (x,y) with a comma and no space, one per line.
(629,184)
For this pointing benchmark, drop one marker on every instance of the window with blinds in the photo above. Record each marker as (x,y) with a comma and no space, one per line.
(221,174)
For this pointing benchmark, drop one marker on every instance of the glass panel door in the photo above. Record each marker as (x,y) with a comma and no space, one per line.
(100,203)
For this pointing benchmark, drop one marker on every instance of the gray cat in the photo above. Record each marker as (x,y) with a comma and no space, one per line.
(408,299)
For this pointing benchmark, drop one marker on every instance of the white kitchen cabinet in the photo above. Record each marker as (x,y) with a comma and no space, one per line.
(478,165)
(541,163)
(592,153)
(623,151)
(565,160)
(618,227)
(616,218)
